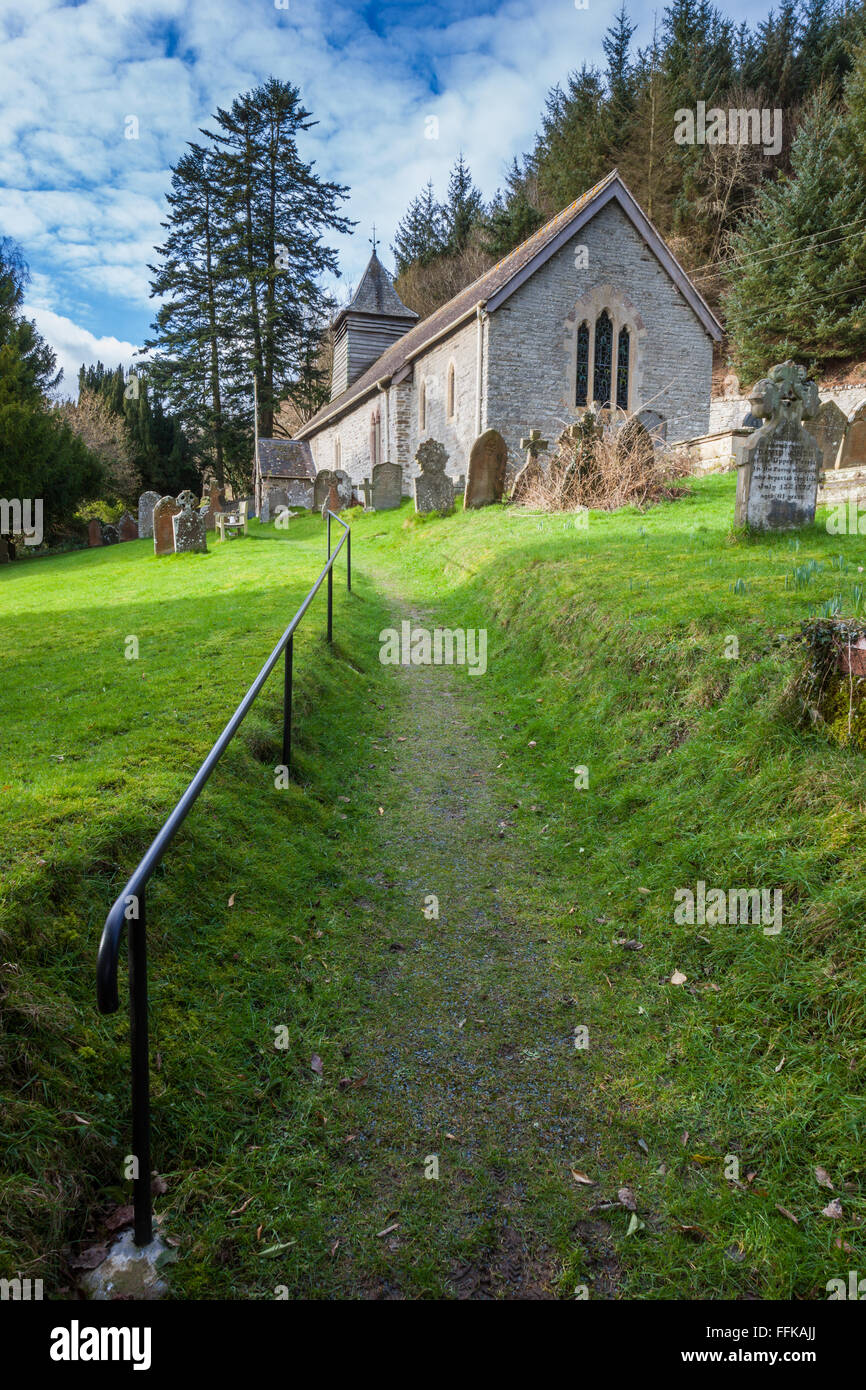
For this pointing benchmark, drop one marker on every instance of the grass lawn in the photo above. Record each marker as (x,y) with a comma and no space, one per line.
(713,1100)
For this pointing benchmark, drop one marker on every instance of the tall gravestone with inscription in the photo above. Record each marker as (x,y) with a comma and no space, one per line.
(777,477)
(190,534)
(387,486)
(146,503)
(434,492)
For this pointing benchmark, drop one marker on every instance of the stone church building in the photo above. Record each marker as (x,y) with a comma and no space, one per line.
(593,307)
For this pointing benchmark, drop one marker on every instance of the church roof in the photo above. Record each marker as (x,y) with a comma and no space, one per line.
(376,295)
(286,458)
(493,287)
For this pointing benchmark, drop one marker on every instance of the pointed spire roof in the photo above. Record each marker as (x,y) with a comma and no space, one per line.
(376,295)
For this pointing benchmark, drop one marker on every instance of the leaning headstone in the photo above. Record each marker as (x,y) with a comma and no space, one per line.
(146,503)
(434,491)
(387,486)
(828,427)
(127,529)
(190,535)
(94,531)
(488,460)
(853,451)
(534,445)
(164,513)
(777,476)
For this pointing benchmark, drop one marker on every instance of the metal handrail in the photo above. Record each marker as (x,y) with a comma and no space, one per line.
(128,908)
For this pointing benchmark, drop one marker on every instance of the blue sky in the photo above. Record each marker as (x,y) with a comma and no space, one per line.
(86,202)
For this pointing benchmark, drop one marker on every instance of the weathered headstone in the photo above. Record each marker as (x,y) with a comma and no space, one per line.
(656,425)
(488,460)
(213,505)
(434,492)
(164,513)
(190,535)
(853,451)
(146,503)
(94,531)
(828,427)
(322,487)
(534,445)
(387,486)
(127,528)
(777,476)
(331,502)
(110,535)
(731,387)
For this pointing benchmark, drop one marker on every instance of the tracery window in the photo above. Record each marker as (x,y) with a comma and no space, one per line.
(601,383)
(582,379)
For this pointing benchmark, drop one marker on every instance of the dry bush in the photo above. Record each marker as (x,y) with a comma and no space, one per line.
(604,468)
(104,433)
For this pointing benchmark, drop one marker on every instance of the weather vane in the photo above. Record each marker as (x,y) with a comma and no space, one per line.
(373,242)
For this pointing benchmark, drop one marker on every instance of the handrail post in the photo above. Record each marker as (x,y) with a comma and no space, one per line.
(329,535)
(287,705)
(138,1043)
(349,562)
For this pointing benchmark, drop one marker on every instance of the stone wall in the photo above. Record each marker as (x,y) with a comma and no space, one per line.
(531,338)
(727,414)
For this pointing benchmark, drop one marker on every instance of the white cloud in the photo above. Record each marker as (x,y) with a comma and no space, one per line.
(75,345)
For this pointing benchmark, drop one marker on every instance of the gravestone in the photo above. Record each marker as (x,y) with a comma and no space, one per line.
(94,531)
(387,486)
(534,445)
(146,503)
(164,513)
(367,488)
(434,492)
(190,536)
(777,476)
(127,529)
(853,453)
(331,502)
(488,459)
(110,535)
(828,428)
(656,425)
(215,503)
(265,509)
(322,487)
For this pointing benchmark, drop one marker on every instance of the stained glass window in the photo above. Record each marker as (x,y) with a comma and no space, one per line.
(582,364)
(622,369)
(601,381)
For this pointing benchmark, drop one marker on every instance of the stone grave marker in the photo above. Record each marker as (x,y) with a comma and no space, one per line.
(387,486)
(828,426)
(146,503)
(164,513)
(94,531)
(434,491)
(127,528)
(110,535)
(190,535)
(488,459)
(534,445)
(216,502)
(322,487)
(853,452)
(777,476)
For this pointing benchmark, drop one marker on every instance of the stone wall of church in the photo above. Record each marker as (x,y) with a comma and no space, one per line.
(532,338)
(403,428)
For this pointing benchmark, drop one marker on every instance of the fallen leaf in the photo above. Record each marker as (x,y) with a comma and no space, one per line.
(237,1211)
(781,1064)
(643,890)
(121,1216)
(381,810)
(642,1144)
(334,1248)
(316,1064)
(634,1225)
(627,1197)
(787,1213)
(833,1209)
(388,1229)
(841,1244)
(678,978)
(80,1118)
(581,1177)
(627,943)
(450,1136)
(91,1258)
(823,1177)
(232,900)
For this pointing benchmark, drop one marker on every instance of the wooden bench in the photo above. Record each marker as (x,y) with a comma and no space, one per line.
(233,522)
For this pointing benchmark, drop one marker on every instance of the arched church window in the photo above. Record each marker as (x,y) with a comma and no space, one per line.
(582,380)
(422,406)
(601,382)
(451,392)
(622,349)
(376,437)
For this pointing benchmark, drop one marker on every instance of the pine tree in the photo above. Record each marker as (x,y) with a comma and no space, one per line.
(797,282)
(512,216)
(420,236)
(464,207)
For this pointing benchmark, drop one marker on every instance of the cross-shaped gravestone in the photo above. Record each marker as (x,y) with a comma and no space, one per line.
(534,445)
